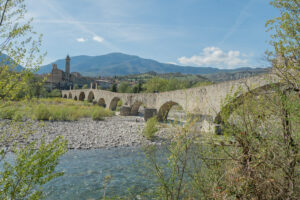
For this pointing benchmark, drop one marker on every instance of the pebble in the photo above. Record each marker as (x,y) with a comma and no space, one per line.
(116,131)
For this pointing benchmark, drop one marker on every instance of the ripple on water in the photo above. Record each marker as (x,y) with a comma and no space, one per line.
(85,171)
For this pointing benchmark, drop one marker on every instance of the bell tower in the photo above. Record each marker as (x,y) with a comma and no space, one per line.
(68,65)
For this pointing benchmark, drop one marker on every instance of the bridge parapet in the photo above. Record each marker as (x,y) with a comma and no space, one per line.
(204,101)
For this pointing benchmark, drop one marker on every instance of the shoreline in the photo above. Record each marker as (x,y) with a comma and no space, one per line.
(85,134)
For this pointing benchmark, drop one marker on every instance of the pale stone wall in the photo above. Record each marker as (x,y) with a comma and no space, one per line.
(204,101)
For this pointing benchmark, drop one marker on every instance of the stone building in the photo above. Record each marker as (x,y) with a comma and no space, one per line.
(61,79)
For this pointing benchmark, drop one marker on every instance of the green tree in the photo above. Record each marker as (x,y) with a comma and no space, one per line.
(33,162)
(124,88)
(76,87)
(15,44)
(258,156)
(285,39)
(85,86)
(156,84)
(114,87)
(55,93)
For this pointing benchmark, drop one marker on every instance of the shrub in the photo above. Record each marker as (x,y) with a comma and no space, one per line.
(18,117)
(100,113)
(120,103)
(59,114)
(55,93)
(85,86)
(42,113)
(150,128)
(7,112)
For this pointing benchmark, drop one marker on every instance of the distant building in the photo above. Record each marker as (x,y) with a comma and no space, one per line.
(104,84)
(60,79)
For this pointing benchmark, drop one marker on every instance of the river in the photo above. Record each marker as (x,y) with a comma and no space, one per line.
(85,171)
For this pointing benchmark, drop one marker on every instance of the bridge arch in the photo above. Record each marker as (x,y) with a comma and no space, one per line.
(75,98)
(81,96)
(91,96)
(135,108)
(114,102)
(65,96)
(229,108)
(70,95)
(101,102)
(163,112)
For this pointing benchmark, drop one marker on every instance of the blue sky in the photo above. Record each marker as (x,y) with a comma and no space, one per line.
(201,33)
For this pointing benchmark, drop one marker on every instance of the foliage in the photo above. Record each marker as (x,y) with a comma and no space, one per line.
(85,86)
(150,128)
(31,169)
(171,173)
(55,109)
(199,84)
(42,113)
(32,163)
(137,88)
(285,37)
(120,103)
(124,88)
(55,93)
(76,87)
(18,43)
(258,156)
(100,113)
(114,87)
(157,84)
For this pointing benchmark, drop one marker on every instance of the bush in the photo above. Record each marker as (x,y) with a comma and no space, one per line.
(7,112)
(55,93)
(100,113)
(18,117)
(85,86)
(120,103)
(150,128)
(42,113)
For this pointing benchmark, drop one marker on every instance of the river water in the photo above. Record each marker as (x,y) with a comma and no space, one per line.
(85,171)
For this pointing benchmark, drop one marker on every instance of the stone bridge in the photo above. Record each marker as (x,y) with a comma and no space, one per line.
(204,101)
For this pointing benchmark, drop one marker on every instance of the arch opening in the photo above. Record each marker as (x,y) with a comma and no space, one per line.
(165,109)
(228,113)
(75,98)
(70,95)
(102,103)
(136,108)
(81,96)
(65,96)
(114,103)
(91,96)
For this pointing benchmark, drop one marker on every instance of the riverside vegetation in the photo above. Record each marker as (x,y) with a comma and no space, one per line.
(23,174)
(54,109)
(257,157)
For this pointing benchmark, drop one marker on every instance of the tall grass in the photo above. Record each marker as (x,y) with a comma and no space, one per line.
(55,109)
(150,128)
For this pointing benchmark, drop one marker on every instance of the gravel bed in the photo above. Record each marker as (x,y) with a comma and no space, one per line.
(117,131)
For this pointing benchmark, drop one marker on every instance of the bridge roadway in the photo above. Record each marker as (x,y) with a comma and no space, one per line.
(203,101)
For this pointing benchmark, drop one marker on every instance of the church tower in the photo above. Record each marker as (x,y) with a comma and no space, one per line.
(68,65)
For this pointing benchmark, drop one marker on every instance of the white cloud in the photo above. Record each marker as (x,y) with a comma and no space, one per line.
(98,39)
(215,57)
(81,40)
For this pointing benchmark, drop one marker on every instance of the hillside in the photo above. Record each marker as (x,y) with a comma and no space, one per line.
(116,64)
(6,60)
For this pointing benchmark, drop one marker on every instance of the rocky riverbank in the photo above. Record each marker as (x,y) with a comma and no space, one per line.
(117,131)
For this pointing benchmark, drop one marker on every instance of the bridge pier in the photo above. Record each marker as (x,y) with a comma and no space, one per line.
(125,111)
(149,112)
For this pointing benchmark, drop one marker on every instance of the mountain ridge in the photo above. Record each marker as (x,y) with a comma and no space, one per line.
(118,64)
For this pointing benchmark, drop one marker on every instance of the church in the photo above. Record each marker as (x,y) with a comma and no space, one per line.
(59,79)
